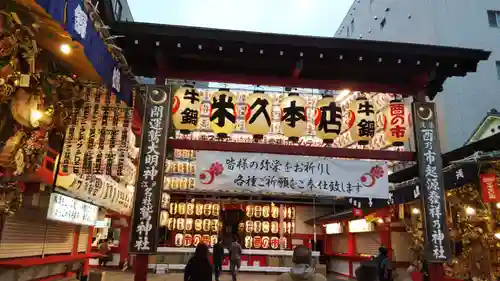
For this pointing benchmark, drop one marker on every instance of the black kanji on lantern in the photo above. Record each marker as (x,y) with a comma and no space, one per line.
(221,110)
(189,116)
(262,103)
(366,128)
(191,95)
(330,115)
(293,114)
(366,107)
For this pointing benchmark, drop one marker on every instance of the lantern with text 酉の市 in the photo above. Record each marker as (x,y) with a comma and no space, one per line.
(258,114)
(361,121)
(186,109)
(397,123)
(327,119)
(223,113)
(293,116)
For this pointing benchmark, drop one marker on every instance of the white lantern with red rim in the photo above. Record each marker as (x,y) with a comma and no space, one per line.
(223,113)
(293,116)
(186,109)
(327,119)
(361,120)
(258,114)
(397,123)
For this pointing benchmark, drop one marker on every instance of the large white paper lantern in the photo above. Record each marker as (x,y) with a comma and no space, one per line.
(361,120)
(258,114)
(327,119)
(186,109)
(293,116)
(397,123)
(223,113)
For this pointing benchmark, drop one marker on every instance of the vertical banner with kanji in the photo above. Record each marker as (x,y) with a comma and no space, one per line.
(144,234)
(437,238)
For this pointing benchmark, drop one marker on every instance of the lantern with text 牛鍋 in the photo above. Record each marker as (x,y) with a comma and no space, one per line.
(361,121)
(186,109)
(327,119)
(223,113)
(397,123)
(258,111)
(293,116)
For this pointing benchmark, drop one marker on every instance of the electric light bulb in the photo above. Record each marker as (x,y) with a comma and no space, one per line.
(415,211)
(65,49)
(470,211)
(497,235)
(380,220)
(36,115)
(498,205)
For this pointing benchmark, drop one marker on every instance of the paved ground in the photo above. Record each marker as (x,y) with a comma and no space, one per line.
(128,276)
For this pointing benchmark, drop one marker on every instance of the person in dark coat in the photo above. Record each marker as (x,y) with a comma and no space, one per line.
(218,257)
(198,267)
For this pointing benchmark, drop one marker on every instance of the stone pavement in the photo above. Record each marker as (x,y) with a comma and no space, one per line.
(128,276)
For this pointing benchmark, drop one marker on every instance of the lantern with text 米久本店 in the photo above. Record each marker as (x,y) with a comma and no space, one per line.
(258,112)
(223,113)
(186,109)
(293,117)
(397,123)
(361,121)
(327,119)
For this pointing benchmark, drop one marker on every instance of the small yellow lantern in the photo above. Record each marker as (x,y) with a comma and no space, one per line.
(327,119)
(361,121)
(186,109)
(397,123)
(223,113)
(293,116)
(259,107)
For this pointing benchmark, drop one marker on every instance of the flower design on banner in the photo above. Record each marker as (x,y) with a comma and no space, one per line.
(81,20)
(208,176)
(116,79)
(369,179)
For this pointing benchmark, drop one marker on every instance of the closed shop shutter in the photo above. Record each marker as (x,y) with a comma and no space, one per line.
(83,239)
(59,238)
(367,243)
(340,243)
(401,243)
(23,234)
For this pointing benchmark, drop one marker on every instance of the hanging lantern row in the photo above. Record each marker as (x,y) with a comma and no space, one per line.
(361,119)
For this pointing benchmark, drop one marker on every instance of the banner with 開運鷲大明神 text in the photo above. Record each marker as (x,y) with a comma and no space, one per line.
(290,174)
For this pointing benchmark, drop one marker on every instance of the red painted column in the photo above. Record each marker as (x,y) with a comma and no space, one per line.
(76,236)
(351,247)
(89,249)
(124,241)
(385,237)
(436,272)
(141,268)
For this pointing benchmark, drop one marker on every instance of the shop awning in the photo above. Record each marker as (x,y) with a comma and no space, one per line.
(288,60)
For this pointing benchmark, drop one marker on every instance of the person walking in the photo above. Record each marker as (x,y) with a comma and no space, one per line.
(302,269)
(218,257)
(198,267)
(366,272)
(235,257)
(383,264)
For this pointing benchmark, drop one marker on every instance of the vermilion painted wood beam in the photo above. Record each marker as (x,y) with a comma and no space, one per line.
(292,150)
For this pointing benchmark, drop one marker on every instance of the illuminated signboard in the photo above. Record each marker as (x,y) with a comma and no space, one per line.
(66,209)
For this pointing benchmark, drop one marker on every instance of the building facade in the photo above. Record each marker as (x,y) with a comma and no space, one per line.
(460,23)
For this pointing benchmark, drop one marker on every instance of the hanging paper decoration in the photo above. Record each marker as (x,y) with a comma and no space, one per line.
(179,239)
(249,211)
(171,224)
(275,212)
(190,209)
(274,227)
(207,209)
(186,109)
(196,239)
(265,227)
(248,242)
(181,208)
(397,123)
(265,211)
(257,211)
(198,224)
(199,209)
(257,226)
(327,119)
(215,210)
(173,208)
(275,243)
(265,242)
(188,240)
(258,111)
(257,242)
(248,226)
(293,117)
(180,224)
(215,225)
(361,121)
(189,224)
(206,225)
(223,113)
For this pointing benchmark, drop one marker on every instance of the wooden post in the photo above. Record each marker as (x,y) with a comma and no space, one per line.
(89,249)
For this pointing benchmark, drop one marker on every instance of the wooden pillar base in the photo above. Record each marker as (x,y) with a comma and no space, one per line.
(141,268)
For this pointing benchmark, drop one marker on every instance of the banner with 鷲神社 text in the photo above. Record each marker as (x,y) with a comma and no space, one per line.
(289,174)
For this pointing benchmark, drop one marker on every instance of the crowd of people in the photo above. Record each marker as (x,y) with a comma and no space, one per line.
(199,267)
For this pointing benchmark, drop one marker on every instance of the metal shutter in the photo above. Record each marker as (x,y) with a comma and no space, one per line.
(401,243)
(83,239)
(340,243)
(367,243)
(23,235)
(59,238)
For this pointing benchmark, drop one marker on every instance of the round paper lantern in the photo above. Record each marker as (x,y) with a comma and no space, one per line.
(265,227)
(206,225)
(257,211)
(198,224)
(257,226)
(284,242)
(249,226)
(173,208)
(275,227)
(265,211)
(248,242)
(215,210)
(213,239)
(223,113)
(181,208)
(265,242)
(196,239)
(199,209)
(397,123)
(190,209)
(179,239)
(327,119)
(257,242)
(207,209)
(249,211)
(164,218)
(180,224)
(275,243)
(361,121)
(215,225)
(188,240)
(186,109)
(258,114)
(275,212)
(293,117)
(189,224)
(171,224)
(205,239)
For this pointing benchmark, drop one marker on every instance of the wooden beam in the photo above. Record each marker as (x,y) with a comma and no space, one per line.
(292,150)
